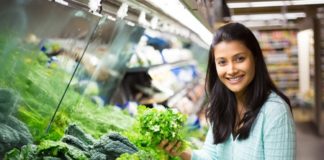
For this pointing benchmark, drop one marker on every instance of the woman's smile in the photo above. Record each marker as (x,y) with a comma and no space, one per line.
(235,80)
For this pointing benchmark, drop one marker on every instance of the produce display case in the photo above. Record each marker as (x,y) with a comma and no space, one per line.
(62,65)
(59,66)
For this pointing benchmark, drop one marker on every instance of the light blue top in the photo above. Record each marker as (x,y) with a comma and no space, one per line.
(272,137)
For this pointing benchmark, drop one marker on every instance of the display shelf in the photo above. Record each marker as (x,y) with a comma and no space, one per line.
(181,93)
(166,84)
(160,66)
(281,55)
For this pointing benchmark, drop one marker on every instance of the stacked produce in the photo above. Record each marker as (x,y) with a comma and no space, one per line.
(40,88)
(13,133)
(76,145)
(24,70)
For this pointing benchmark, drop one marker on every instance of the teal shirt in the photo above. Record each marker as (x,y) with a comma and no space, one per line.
(272,137)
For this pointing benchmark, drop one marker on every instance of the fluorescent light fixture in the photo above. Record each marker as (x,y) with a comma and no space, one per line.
(272,23)
(175,9)
(263,23)
(253,17)
(273,3)
(307,2)
(62,2)
(130,23)
(111,18)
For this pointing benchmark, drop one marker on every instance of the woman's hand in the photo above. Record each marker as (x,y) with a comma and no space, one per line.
(171,148)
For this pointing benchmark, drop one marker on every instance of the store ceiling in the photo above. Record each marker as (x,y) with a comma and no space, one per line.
(282,16)
(262,10)
(306,9)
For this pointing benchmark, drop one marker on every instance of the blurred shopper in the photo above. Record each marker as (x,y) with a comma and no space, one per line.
(250,118)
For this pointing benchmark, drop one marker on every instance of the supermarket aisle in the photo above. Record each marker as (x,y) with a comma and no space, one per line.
(309,144)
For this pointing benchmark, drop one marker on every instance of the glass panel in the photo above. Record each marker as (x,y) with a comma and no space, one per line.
(101,69)
(34,75)
(104,62)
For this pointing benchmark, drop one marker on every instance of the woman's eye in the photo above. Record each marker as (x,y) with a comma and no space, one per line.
(240,59)
(221,63)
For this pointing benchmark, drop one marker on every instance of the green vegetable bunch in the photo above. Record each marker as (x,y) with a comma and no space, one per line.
(157,125)
(152,126)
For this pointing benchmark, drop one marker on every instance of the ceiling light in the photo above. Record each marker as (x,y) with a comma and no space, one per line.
(176,10)
(273,3)
(252,17)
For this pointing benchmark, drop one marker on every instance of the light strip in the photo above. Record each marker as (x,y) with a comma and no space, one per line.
(273,3)
(278,16)
(271,23)
(175,9)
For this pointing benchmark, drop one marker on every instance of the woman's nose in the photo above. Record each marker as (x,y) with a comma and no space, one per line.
(232,69)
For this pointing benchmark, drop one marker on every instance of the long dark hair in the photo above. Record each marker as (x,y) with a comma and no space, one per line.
(222,108)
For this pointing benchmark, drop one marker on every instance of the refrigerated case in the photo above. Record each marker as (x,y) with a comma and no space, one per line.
(61,65)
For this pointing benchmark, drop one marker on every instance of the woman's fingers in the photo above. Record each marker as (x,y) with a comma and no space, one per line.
(163,144)
(175,150)
(170,146)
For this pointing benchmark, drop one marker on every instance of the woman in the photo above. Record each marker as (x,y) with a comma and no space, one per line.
(250,118)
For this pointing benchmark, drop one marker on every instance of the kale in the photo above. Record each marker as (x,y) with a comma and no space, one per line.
(117,137)
(97,156)
(75,142)
(14,133)
(108,147)
(77,132)
(113,145)
(25,136)
(8,101)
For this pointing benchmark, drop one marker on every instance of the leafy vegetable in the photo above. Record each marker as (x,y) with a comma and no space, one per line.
(24,70)
(153,126)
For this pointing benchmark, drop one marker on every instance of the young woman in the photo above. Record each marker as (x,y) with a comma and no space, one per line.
(250,118)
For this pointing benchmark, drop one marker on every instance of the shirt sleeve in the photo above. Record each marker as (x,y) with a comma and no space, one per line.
(279,134)
(208,151)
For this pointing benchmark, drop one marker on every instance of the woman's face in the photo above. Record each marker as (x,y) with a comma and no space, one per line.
(235,65)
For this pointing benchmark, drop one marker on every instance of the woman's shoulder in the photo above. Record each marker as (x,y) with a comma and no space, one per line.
(275,106)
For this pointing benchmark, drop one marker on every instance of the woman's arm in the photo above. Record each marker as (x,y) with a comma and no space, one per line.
(207,152)
(279,135)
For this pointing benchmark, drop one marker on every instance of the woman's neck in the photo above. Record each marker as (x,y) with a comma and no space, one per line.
(240,111)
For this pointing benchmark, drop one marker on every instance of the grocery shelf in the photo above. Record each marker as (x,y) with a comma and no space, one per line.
(280,51)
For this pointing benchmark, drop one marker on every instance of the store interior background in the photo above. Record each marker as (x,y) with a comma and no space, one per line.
(66,59)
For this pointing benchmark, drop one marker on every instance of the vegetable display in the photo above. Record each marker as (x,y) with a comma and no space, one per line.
(153,126)
(24,70)
(13,133)
(76,145)
(97,133)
